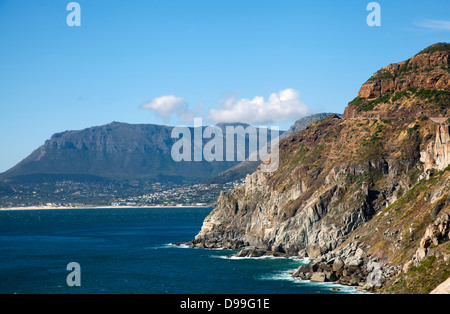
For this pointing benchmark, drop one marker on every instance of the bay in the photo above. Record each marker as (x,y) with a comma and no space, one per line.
(131,251)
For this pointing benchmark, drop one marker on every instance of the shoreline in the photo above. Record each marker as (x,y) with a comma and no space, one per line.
(252,253)
(96,207)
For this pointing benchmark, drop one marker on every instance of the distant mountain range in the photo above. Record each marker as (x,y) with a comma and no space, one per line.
(116,151)
(121,151)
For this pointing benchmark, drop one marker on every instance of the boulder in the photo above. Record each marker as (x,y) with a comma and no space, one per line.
(421,253)
(251,252)
(338,264)
(315,250)
(301,270)
(355,279)
(359,252)
(353,261)
(318,277)
(407,266)
(242,253)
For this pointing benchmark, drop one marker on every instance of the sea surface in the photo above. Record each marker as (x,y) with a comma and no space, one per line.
(127,251)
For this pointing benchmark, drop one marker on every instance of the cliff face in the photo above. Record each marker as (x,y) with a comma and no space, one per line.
(385,165)
(437,153)
(419,86)
(324,188)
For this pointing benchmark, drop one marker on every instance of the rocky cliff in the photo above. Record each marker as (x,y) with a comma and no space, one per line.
(359,192)
(429,69)
(424,79)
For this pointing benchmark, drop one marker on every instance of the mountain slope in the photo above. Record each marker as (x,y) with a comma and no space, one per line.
(359,192)
(246,167)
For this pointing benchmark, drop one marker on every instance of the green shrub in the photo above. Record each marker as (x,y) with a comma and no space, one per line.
(436,47)
(381,75)
(400,95)
(356,102)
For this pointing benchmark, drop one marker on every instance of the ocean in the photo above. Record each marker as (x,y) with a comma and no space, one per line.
(131,251)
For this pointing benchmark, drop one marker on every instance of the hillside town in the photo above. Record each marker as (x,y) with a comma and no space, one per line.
(134,193)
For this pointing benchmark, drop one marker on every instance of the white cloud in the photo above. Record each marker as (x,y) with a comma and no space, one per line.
(279,107)
(168,105)
(434,24)
(282,106)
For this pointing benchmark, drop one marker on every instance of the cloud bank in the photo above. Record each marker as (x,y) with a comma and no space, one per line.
(279,107)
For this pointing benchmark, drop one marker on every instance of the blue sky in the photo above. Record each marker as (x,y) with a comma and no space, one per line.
(209,55)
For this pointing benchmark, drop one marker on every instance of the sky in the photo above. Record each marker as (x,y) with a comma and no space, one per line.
(261,62)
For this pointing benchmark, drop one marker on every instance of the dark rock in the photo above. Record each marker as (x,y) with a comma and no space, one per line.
(251,252)
(330,276)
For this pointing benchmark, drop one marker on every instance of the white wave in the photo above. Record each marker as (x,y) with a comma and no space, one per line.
(264,257)
(159,247)
(167,246)
(234,257)
(285,275)
(180,246)
(305,260)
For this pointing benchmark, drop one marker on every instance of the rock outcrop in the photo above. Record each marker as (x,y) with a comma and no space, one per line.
(435,233)
(349,265)
(437,153)
(424,79)
(428,70)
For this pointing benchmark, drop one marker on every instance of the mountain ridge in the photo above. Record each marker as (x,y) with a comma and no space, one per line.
(365,197)
(248,167)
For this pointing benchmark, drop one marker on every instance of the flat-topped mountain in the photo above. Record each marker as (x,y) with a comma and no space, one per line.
(365,197)
(117,151)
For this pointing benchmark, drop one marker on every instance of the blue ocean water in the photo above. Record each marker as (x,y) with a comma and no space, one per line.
(130,251)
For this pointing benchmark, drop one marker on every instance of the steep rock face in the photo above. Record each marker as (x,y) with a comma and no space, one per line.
(437,153)
(321,200)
